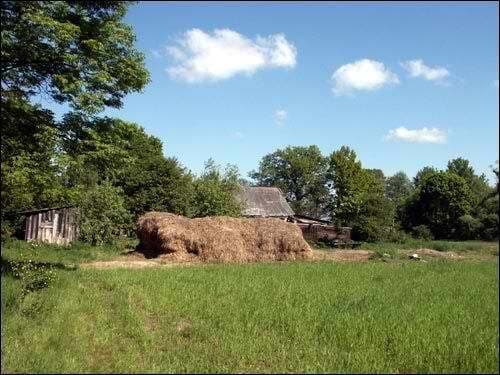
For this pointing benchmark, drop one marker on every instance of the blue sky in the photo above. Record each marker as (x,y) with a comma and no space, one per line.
(404,85)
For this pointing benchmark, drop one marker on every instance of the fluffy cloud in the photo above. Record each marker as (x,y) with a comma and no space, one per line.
(201,56)
(363,74)
(417,68)
(280,116)
(424,135)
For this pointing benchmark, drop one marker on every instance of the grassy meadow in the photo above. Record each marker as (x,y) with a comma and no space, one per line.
(439,316)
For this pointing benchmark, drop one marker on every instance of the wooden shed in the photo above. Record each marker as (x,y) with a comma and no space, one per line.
(264,202)
(269,202)
(53,225)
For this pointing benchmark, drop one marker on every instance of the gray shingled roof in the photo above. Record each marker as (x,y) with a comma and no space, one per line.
(264,201)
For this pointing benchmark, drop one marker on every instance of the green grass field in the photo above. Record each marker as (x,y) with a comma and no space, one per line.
(439,316)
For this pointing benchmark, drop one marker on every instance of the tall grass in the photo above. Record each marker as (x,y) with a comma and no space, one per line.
(284,317)
(15,250)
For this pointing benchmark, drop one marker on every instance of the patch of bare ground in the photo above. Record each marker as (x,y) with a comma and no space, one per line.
(138,260)
(122,263)
(434,253)
(343,255)
(438,254)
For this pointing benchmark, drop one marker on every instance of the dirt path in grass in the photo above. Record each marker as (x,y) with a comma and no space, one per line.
(129,263)
(343,255)
(137,260)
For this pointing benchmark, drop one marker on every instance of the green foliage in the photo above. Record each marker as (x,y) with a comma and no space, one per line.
(375,221)
(80,53)
(214,192)
(30,176)
(347,177)
(477,184)
(468,227)
(34,276)
(422,232)
(440,200)
(122,153)
(102,214)
(462,168)
(487,214)
(422,174)
(77,52)
(358,200)
(476,216)
(26,129)
(300,173)
(398,187)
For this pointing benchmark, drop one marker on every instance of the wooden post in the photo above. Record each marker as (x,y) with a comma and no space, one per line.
(39,236)
(27,228)
(55,236)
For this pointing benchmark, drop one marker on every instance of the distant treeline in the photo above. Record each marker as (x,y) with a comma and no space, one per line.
(452,204)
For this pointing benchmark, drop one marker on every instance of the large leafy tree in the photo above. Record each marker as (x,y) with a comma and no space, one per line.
(439,202)
(80,52)
(75,52)
(478,185)
(215,191)
(30,176)
(422,174)
(398,187)
(358,198)
(487,212)
(300,172)
(347,178)
(375,220)
(123,154)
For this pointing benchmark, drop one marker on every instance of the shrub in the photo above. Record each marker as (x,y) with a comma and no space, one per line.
(489,227)
(214,192)
(34,276)
(102,215)
(440,200)
(468,227)
(422,232)
(7,230)
(398,236)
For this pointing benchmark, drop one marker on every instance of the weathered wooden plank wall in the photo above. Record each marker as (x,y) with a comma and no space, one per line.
(52,226)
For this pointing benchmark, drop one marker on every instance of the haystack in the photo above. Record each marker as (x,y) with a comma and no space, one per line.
(220,238)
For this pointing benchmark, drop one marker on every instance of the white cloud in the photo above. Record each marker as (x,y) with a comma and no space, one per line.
(423,135)
(417,68)
(280,117)
(201,56)
(363,74)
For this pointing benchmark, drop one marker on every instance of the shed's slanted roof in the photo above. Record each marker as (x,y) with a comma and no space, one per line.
(264,201)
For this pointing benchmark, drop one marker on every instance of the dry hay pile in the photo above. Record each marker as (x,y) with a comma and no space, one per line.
(220,238)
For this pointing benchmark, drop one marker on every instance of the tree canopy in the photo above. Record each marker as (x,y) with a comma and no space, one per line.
(300,172)
(79,52)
